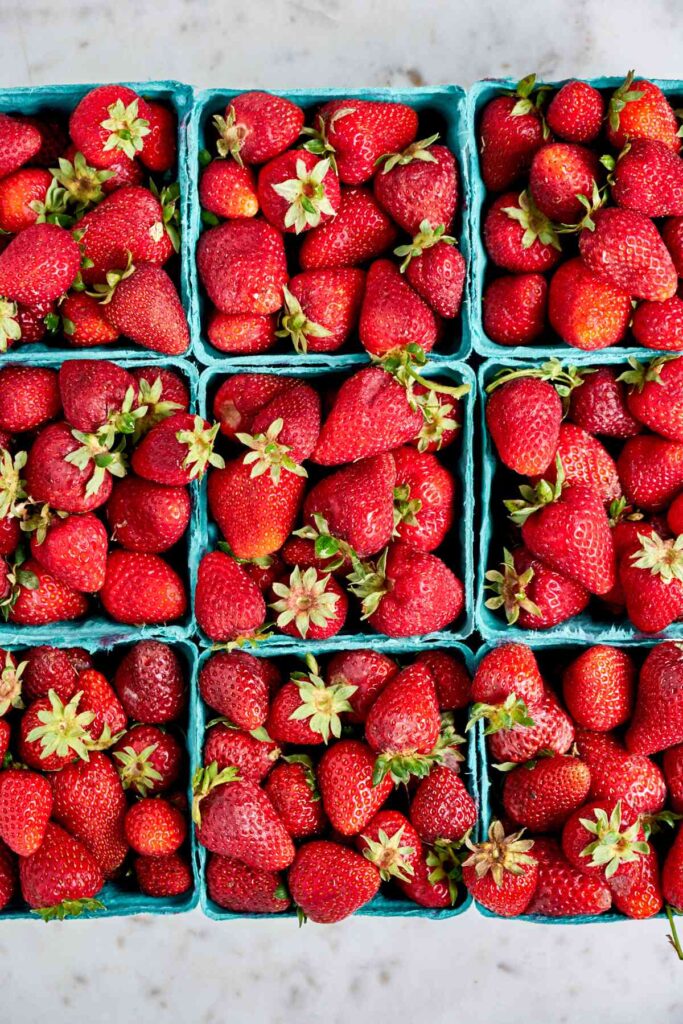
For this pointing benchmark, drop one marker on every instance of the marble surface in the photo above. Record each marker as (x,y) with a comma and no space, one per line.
(172,968)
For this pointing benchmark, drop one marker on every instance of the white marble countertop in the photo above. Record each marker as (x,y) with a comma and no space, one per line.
(470,968)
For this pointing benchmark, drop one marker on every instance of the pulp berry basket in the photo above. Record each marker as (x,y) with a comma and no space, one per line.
(553,655)
(184,557)
(594,624)
(381,905)
(480,269)
(61,99)
(459,545)
(440,109)
(122,898)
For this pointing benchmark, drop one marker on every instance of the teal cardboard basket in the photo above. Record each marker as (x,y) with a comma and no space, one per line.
(184,557)
(551,345)
(62,99)
(549,653)
(440,108)
(459,458)
(498,483)
(122,899)
(381,905)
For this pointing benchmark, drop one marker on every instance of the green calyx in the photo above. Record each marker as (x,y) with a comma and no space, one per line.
(97,450)
(612,847)
(126,130)
(63,729)
(69,908)
(12,492)
(591,205)
(10,683)
(499,854)
(200,454)
(37,520)
(306,196)
(620,511)
(231,135)
(10,328)
(169,198)
(534,498)
(104,291)
(403,364)
(321,705)
(268,455)
(427,237)
(81,183)
(536,225)
(136,770)
(664,558)
(123,420)
(327,548)
(305,762)
(295,324)
(527,102)
(205,780)
(437,420)
(305,600)
(510,589)
(54,208)
(620,97)
(416,151)
(368,582)
(17,578)
(156,409)
(263,562)
(501,717)
(318,141)
(564,379)
(405,507)
(390,857)
(445,863)
(404,766)
(641,374)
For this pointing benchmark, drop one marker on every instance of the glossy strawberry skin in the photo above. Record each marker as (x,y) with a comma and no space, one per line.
(267,124)
(230,747)
(659,325)
(405,716)
(649,179)
(150,683)
(651,471)
(441,807)
(575,112)
(52,601)
(228,604)
(543,796)
(523,417)
(20,142)
(92,389)
(241,333)
(652,603)
(39,264)
(29,397)
(25,809)
(599,405)
(599,687)
(657,721)
(154,827)
(618,775)
(8,875)
(238,820)
(451,679)
(85,123)
(587,462)
(75,551)
(507,142)
(61,869)
(163,876)
(243,267)
(142,588)
(417,191)
(438,275)
(509,669)
(514,308)
(365,133)
(393,315)
(432,485)
(285,167)
(128,224)
(53,668)
(84,321)
(345,779)
(159,152)
(146,516)
(361,231)
(552,730)
(504,240)
(626,249)
(17,192)
(228,190)
(289,789)
(424,595)
(648,116)
(161,456)
(562,891)
(659,402)
(166,759)
(560,172)
(251,402)
(238,685)
(586,310)
(51,479)
(672,873)
(329,882)
(146,308)
(244,889)
(369,671)
(331,298)
(556,596)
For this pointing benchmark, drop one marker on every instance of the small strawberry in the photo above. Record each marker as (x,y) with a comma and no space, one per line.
(560,173)
(424,499)
(542,794)
(24,199)
(531,594)
(53,668)
(625,249)
(245,889)
(228,604)
(501,872)
(599,405)
(20,141)
(228,190)
(514,308)
(243,267)
(238,685)
(618,775)
(328,882)
(441,807)
(145,307)
(89,801)
(510,131)
(297,191)
(509,670)
(393,315)
(322,308)
(93,394)
(142,589)
(451,679)
(361,231)
(29,397)
(561,890)
(148,517)
(350,794)
(37,598)
(546,728)
(659,325)
(309,605)
(435,268)
(241,333)
(163,876)
(523,416)
(61,878)
(518,237)
(39,265)
(109,121)
(575,112)
(84,322)
(648,178)
(586,310)
(154,827)
(73,549)
(71,471)
(147,759)
(253,754)
(292,789)
(368,671)
(403,725)
(177,450)
(638,109)
(306,710)
(598,688)
(420,184)
(150,683)
(257,126)
(25,809)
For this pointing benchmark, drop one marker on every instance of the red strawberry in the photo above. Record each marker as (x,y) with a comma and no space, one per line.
(598,688)
(229,747)
(560,173)
(238,685)
(541,796)
(302,553)
(53,668)
(357,132)
(575,112)
(149,517)
(424,499)
(585,461)
(243,267)
(53,138)
(674,516)
(393,314)
(39,265)
(518,237)
(163,876)
(297,191)
(10,535)
(25,809)
(659,324)
(309,605)
(61,878)
(29,397)
(321,308)
(523,417)
(74,550)
(98,698)
(451,679)
(510,132)
(640,110)
(419,184)
(52,733)
(509,670)
(441,807)
(599,405)
(227,189)
(145,308)
(618,775)
(501,872)
(391,843)
(90,803)
(350,796)
(23,199)
(586,310)
(39,598)
(672,233)
(62,472)
(19,143)
(328,882)
(142,589)
(651,472)
(244,889)
(368,671)
(361,231)
(8,876)
(84,322)
(147,759)
(356,504)
(514,308)
(562,891)
(403,724)
(625,249)
(672,873)
(251,402)
(240,333)
(655,395)
(532,594)
(435,268)
(5,735)
(293,791)
(177,450)
(93,392)
(550,729)
(600,837)
(159,148)
(109,121)
(648,178)
(154,827)
(150,683)
(228,604)
(257,126)
(650,573)
(657,721)
(672,764)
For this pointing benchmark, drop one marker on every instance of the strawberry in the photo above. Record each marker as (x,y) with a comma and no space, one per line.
(514,308)
(509,671)
(38,598)
(244,889)
(90,803)
(74,549)
(672,233)
(651,472)
(159,151)
(297,191)
(150,683)
(518,237)
(618,775)
(360,231)
(243,267)
(39,265)
(8,875)
(672,873)
(550,729)
(357,132)
(322,308)
(625,249)
(32,321)
(403,725)
(98,697)
(510,132)
(598,688)
(441,808)
(420,184)
(61,878)
(148,517)
(532,594)
(163,876)
(585,461)
(523,417)
(52,733)
(655,395)
(293,792)
(657,721)
(451,679)
(53,668)
(251,402)
(599,405)
(561,890)
(147,759)
(24,199)
(501,872)
(560,173)
(29,397)
(177,450)
(25,809)
(84,322)
(350,795)
(407,591)
(650,572)
(20,141)
(109,121)
(229,747)
(541,795)
(163,391)
(235,818)
(238,685)
(575,112)
(5,735)
(227,189)
(240,333)
(672,765)
(53,138)
(367,671)
(593,841)
(257,126)
(328,882)
(10,535)
(228,604)
(424,499)
(638,109)
(71,471)
(393,314)
(435,268)
(586,310)
(309,605)
(648,179)
(93,392)
(391,843)
(154,827)
(659,324)
(142,589)
(145,308)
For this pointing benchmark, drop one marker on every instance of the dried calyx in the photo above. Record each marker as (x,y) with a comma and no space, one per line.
(499,854)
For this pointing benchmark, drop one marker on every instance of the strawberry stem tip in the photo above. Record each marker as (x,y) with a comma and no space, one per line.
(69,908)
(81,183)
(445,861)
(126,129)
(321,704)
(16,579)
(402,364)
(306,196)
(664,558)
(326,546)
(136,770)
(10,684)
(230,135)
(12,492)
(500,717)
(268,454)
(564,380)
(208,778)
(63,730)
(426,237)
(620,97)
(10,328)
(415,151)
(536,225)
(535,498)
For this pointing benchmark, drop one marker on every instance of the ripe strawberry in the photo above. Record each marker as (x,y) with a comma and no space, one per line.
(243,267)
(177,450)
(672,233)
(350,795)
(229,747)
(419,184)
(672,873)
(361,231)
(228,604)
(148,517)
(38,598)
(659,325)
(598,688)
(19,143)
(651,472)
(109,121)
(10,535)
(510,132)
(523,417)
(240,333)
(52,733)
(293,791)
(657,721)
(145,307)
(424,498)
(368,671)
(147,759)
(53,668)
(163,876)
(24,199)
(150,683)
(531,594)
(672,764)
(587,311)
(393,314)
(322,308)
(25,809)
(648,178)
(514,308)
(93,392)
(142,589)
(5,735)
(501,872)
(441,808)
(618,775)
(561,890)
(159,151)
(550,729)
(29,397)
(162,391)
(297,191)
(650,572)
(451,679)
(435,268)
(227,189)
(638,109)
(251,402)
(238,685)
(74,550)
(542,795)
(84,322)
(655,395)
(357,132)
(403,724)
(575,112)
(518,237)
(90,803)
(235,818)
(625,249)
(62,470)
(39,265)
(599,405)
(585,461)
(509,670)
(244,889)
(98,698)
(8,875)
(28,323)
(257,126)
(407,591)
(560,173)
(328,882)
(61,878)
(154,827)
(391,843)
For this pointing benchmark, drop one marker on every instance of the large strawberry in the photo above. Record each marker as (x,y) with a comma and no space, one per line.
(150,682)
(328,882)
(244,889)
(143,304)
(228,604)
(61,878)
(25,809)
(403,725)
(657,721)
(249,403)
(561,890)
(523,415)
(145,516)
(441,807)
(575,112)
(73,549)
(350,795)
(648,178)
(393,315)
(243,267)
(297,191)
(368,671)
(39,265)
(110,121)
(25,198)
(355,133)
(293,791)
(531,594)
(626,250)
(257,126)
(542,794)
(618,775)
(238,685)
(419,184)
(510,130)
(514,308)
(177,450)
(501,872)
(321,308)
(361,231)
(507,671)
(142,589)
(89,801)
(586,310)
(560,174)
